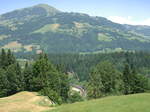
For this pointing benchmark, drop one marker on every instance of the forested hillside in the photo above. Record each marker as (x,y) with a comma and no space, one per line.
(42,27)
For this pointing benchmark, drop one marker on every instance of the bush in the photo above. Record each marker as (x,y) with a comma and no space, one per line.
(75,97)
(53,95)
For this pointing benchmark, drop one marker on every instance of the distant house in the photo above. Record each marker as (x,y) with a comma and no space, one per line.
(79,89)
(39,52)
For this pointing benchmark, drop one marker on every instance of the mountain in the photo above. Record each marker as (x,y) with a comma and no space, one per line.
(42,27)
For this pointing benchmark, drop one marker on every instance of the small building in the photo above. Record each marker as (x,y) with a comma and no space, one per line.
(79,89)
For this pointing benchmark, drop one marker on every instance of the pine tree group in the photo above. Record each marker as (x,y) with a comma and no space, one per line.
(40,77)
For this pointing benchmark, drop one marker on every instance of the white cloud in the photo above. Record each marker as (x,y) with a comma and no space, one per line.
(146,22)
(128,20)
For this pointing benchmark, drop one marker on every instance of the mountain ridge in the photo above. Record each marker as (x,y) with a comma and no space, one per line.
(42,27)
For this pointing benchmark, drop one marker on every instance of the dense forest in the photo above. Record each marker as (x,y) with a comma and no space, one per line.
(81,64)
(101,74)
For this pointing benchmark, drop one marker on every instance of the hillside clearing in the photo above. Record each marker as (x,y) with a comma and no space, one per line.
(130,103)
(24,102)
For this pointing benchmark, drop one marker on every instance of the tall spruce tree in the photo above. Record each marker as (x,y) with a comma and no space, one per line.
(4,83)
(48,80)
(127,78)
(15,79)
(28,74)
(133,81)
(3,59)
(105,80)
(10,58)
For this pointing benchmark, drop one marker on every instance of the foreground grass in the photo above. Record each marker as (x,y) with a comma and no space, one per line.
(130,103)
(24,102)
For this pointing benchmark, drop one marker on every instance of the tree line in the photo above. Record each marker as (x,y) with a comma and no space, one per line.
(82,63)
(105,80)
(102,74)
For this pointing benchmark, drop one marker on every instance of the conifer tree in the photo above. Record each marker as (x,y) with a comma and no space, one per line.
(3,59)
(104,80)
(27,73)
(127,79)
(10,58)
(4,84)
(47,79)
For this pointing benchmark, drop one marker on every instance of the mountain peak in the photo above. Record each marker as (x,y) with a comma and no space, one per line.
(24,13)
(43,5)
(50,10)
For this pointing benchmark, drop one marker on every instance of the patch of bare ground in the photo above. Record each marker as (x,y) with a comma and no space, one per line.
(25,102)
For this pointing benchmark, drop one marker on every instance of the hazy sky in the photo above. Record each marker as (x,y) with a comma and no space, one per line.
(121,11)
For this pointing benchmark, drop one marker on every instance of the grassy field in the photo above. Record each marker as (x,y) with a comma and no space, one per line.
(24,102)
(130,103)
(31,102)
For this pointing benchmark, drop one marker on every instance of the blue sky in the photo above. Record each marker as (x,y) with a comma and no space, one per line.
(121,11)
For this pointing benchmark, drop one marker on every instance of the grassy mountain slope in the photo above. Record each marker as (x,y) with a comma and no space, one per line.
(130,103)
(24,102)
(43,27)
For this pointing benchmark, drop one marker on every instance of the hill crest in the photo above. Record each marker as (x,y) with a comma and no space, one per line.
(24,101)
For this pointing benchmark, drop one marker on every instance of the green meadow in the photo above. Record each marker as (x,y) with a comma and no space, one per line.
(129,103)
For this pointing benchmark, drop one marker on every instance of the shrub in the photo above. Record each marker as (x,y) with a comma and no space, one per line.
(75,97)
